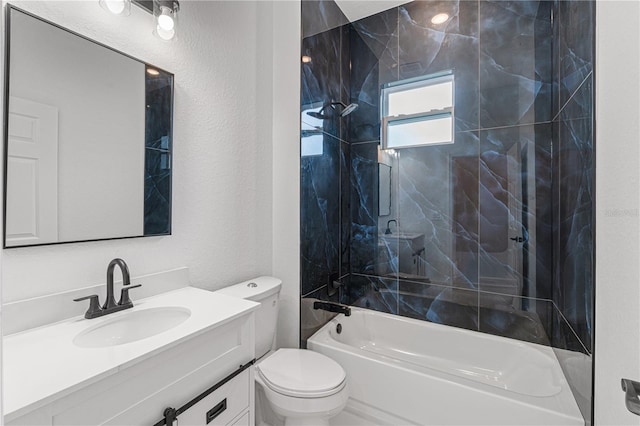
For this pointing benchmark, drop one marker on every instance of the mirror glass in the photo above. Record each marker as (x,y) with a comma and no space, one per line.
(88,139)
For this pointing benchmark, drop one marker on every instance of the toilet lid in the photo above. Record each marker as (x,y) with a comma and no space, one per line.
(302,373)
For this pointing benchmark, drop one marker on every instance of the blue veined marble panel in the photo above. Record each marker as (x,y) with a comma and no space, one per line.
(436,196)
(380,33)
(158,144)
(515,62)
(364,207)
(374,52)
(427,48)
(321,15)
(451,306)
(345,80)
(157,192)
(371,292)
(442,304)
(321,78)
(516,168)
(581,103)
(555,60)
(574,254)
(320,216)
(159,110)
(544,211)
(576,39)
(345,208)
(364,124)
(502,315)
(508,317)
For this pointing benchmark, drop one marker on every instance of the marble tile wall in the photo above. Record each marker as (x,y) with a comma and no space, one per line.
(325,179)
(319,16)
(573,220)
(574,165)
(520,167)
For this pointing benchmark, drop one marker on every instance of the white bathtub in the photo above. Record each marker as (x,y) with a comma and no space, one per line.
(405,371)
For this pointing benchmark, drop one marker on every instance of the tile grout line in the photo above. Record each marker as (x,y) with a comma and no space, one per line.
(575,92)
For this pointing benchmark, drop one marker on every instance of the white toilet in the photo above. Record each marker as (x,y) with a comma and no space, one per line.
(301,386)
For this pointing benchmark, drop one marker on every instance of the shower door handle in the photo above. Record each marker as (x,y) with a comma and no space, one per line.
(631,390)
(517,239)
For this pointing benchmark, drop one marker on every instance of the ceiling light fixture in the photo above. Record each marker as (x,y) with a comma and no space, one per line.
(165,13)
(116,7)
(440,18)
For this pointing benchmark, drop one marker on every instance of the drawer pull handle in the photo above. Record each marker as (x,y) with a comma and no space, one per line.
(217,410)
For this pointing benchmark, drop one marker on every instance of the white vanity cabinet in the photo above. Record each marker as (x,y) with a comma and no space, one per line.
(138,392)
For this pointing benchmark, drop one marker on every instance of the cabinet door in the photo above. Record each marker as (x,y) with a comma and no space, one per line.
(221,406)
(242,421)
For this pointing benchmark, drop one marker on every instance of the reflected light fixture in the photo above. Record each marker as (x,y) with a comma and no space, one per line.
(165,13)
(152,71)
(116,7)
(306,59)
(440,18)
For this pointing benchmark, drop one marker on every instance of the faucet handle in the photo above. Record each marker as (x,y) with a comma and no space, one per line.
(94,306)
(124,295)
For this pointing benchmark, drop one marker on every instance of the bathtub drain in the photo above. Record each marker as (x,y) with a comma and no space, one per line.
(339,328)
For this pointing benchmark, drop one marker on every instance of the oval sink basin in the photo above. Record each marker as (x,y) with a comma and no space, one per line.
(131,327)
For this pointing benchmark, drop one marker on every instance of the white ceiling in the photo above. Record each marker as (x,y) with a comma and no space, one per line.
(358,9)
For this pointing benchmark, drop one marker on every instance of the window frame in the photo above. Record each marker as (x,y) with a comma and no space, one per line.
(409,84)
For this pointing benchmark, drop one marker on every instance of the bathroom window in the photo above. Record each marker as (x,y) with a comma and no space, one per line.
(418,112)
(311,142)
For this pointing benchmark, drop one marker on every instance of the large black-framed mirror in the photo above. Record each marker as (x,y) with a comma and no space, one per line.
(88,138)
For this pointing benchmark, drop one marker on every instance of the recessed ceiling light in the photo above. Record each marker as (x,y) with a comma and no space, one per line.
(306,59)
(440,18)
(152,71)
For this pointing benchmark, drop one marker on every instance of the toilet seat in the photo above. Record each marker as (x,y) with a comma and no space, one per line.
(302,374)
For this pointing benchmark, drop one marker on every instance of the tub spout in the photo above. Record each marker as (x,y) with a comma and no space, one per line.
(333,307)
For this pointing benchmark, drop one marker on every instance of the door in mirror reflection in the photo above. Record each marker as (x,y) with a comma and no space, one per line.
(88,140)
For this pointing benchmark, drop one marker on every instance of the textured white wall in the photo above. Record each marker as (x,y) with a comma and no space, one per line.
(236,193)
(286,166)
(617,315)
(222,178)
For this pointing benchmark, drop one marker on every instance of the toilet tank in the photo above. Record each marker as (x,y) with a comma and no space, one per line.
(264,290)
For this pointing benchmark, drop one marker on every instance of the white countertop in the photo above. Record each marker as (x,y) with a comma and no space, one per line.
(43,364)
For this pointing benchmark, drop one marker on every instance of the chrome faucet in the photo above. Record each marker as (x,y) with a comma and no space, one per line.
(388,230)
(110,304)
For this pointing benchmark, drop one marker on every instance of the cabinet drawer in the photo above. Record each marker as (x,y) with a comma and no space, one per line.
(242,421)
(220,407)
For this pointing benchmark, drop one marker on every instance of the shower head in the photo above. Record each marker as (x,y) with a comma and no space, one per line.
(317,115)
(348,109)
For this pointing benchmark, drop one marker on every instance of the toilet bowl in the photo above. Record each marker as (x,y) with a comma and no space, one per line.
(300,386)
(303,387)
